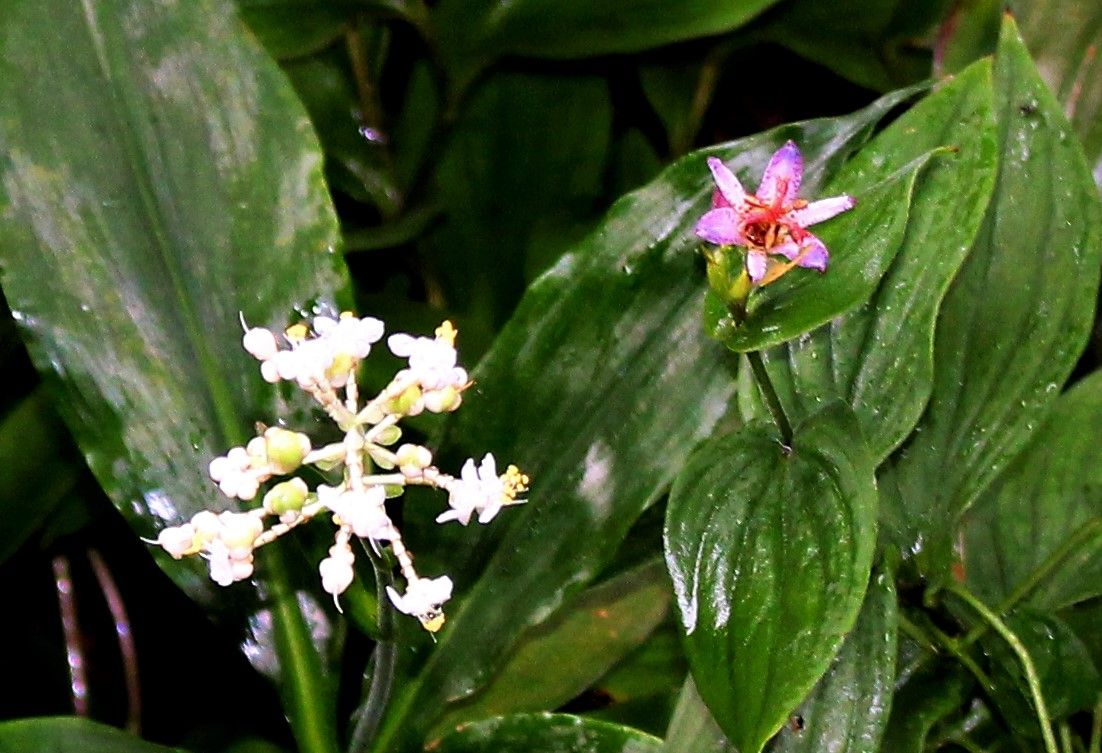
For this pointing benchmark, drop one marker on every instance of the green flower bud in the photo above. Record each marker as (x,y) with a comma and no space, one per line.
(407,401)
(286,496)
(393,490)
(389,436)
(285,449)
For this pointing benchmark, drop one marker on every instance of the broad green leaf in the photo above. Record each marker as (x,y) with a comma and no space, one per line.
(643,688)
(870,42)
(291,28)
(475,33)
(70,734)
(152,190)
(598,388)
(693,729)
(1069,680)
(525,733)
(1013,322)
(862,243)
(1085,620)
(356,164)
(1064,37)
(558,659)
(848,709)
(879,357)
(769,550)
(527,146)
(40,468)
(921,703)
(1037,531)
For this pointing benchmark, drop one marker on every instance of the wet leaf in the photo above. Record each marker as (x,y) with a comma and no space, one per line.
(66,734)
(769,550)
(1013,322)
(524,733)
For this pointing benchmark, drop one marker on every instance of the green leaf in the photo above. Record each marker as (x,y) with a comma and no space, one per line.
(869,42)
(66,734)
(862,243)
(1069,680)
(151,190)
(598,388)
(1064,37)
(1013,323)
(848,709)
(525,733)
(475,33)
(291,28)
(558,659)
(527,146)
(40,469)
(1037,531)
(693,729)
(921,703)
(879,357)
(769,550)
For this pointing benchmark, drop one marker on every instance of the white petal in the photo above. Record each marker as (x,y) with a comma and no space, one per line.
(822,210)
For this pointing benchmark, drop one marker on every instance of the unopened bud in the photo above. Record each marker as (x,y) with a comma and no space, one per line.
(286,497)
(285,449)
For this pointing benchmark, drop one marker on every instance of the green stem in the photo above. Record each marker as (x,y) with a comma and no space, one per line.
(934,638)
(1095,745)
(306,697)
(772,401)
(1065,738)
(1019,649)
(382,676)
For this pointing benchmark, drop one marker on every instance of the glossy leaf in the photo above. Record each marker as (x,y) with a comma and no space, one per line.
(862,243)
(558,659)
(524,733)
(599,387)
(69,734)
(1014,321)
(1039,526)
(1069,680)
(879,357)
(769,550)
(848,709)
(693,729)
(474,33)
(1064,37)
(291,28)
(40,469)
(143,184)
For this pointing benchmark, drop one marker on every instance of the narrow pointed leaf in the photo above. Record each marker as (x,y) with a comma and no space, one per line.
(769,551)
(1039,526)
(1014,321)
(598,388)
(879,357)
(848,709)
(69,734)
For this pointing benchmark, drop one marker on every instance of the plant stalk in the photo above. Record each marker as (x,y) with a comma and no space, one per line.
(772,401)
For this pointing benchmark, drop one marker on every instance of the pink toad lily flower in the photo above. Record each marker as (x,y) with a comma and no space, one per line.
(772,221)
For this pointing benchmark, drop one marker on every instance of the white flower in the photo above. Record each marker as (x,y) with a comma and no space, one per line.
(363,512)
(336,569)
(239,473)
(260,343)
(474,491)
(178,540)
(424,599)
(431,361)
(350,335)
(413,459)
(226,566)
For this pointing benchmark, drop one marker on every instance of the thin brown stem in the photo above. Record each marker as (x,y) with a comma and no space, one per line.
(74,649)
(127,649)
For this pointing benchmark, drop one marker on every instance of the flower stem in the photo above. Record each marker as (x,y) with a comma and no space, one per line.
(306,697)
(933,639)
(1019,649)
(1095,745)
(772,401)
(382,677)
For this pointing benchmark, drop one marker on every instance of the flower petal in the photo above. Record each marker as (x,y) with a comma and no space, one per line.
(756,263)
(789,249)
(729,185)
(822,210)
(813,254)
(782,176)
(721,226)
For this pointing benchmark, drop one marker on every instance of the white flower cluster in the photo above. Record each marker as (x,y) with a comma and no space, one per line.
(322,359)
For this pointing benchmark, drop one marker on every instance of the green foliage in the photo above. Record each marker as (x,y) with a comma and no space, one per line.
(166,168)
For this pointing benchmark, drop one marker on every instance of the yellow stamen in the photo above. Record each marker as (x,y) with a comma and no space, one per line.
(514,482)
(297,332)
(447,333)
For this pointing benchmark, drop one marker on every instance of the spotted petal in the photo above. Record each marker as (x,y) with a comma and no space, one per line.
(813,254)
(756,264)
(822,210)
(729,185)
(782,177)
(722,226)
